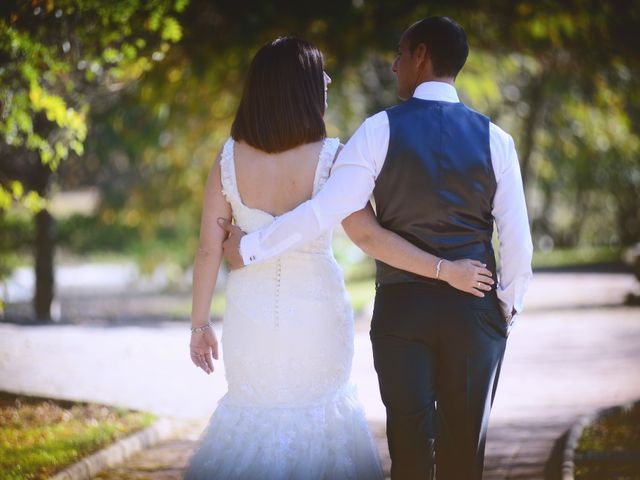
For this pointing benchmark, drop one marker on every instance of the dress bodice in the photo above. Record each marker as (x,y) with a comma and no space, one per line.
(250,219)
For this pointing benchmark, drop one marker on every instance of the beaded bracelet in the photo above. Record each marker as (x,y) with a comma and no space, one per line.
(201,328)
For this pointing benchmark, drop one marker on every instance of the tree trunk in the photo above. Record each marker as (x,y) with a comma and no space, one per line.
(580,213)
(531,124)
(43,249)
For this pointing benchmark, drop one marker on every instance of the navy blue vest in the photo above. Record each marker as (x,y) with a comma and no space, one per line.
(437,184)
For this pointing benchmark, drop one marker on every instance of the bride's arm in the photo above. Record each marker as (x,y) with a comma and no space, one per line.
(206,265)
(363,229)
(209,255)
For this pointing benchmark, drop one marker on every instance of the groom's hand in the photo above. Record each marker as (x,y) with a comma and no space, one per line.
(231,246)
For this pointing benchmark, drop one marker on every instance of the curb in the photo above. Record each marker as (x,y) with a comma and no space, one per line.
(120,450)
(575,432)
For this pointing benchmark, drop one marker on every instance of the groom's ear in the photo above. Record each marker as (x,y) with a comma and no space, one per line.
(420,53)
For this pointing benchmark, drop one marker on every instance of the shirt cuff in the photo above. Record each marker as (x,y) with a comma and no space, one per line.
(509,312)
(249,246)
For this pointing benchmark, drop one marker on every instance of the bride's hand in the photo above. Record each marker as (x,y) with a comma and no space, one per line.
(204,345)
(470,276)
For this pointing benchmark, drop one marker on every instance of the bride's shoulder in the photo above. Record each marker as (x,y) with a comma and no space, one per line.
(332,145)
(227,149)
(334,142)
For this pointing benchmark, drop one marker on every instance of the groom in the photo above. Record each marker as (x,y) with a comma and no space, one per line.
(441,174)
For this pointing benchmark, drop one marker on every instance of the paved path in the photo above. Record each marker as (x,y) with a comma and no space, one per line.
(574,350)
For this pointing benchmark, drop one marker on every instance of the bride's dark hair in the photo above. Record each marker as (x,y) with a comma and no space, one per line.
(283,102)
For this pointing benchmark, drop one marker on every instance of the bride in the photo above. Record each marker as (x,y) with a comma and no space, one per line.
(290,411)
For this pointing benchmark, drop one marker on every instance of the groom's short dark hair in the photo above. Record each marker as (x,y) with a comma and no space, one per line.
(446,43)
(283,99)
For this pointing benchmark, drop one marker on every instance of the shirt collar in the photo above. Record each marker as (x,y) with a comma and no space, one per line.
(440,91)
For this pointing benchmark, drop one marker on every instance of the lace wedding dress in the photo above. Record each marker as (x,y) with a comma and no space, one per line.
(287,341)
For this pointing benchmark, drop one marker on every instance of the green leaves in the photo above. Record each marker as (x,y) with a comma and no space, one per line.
(59,57)
(171,30)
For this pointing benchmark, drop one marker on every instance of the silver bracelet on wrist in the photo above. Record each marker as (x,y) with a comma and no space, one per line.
(438,268)
(201,328)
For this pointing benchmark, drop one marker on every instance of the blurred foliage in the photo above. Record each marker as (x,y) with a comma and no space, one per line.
(83,234)
(16,244)
(561,77)
(57,56)
(617,431)
(616,439)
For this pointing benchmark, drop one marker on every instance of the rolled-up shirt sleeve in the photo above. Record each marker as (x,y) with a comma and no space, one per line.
(510,214)
(347,190)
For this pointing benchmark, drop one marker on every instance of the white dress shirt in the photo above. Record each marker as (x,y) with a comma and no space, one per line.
(352,181)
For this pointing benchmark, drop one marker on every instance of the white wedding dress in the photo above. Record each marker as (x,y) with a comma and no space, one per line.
(287,342)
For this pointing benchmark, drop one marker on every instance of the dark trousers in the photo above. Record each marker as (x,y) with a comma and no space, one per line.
(437,352)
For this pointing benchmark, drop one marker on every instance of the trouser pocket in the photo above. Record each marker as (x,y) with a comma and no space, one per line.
(492,322)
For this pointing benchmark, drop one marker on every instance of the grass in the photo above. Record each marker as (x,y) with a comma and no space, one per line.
(39,436)
(619,432)
(570,257)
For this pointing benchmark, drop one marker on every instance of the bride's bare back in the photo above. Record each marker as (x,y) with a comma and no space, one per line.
(276,182)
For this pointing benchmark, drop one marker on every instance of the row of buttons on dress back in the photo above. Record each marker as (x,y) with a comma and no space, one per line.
(277,295)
